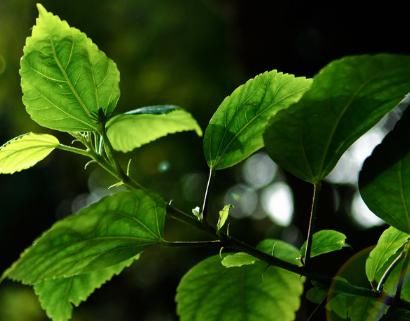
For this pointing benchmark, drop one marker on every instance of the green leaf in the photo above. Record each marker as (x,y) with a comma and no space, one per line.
(316,295)
(141,126)
(210,292)
(356,308)
(384,181)
(58,296)
(390,286)
(237,260)
(65,78)
(102,235)
(325,241)
(346,99)
(25,151)
(280,249)
(390,242)
(235,130)
(223,216)
(257,292)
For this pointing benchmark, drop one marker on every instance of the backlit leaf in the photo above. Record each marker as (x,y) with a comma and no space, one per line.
(390,242)
(59,296)
(384,181)
(104,234)
(65,78)
(25,151)
(141,126)
(235,130)
(256,292)
(346,99)
(325,241)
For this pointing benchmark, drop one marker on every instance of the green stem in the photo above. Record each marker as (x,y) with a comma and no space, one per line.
(312,223)
(204,210)
(212,244)
(232,243)
(74,150)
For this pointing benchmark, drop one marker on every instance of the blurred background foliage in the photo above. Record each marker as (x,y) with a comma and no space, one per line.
(190,53)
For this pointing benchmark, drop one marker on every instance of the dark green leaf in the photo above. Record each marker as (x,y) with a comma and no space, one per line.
(141,126)
(58,296)
(235,130)
(25,151)
(104,234)
(390,242)
(346,99)
(325,241)
(384,181)
(211,292)
(65,78)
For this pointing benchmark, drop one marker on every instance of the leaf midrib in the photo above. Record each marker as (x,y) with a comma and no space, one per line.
(68,80)
(254,119)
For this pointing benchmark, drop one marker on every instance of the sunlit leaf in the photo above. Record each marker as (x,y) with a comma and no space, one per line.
(346,99)
(65,78)
(25,151)
(59,296)
(384,181)
(256,292)
(141,126)
(223,216)
(104,234)
(237,260)
(325,241)
(235,130)
(281,250)
(390,242)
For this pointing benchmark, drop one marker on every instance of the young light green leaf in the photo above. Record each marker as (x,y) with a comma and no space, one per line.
(59,296)
(141,126)
(235,130)
(25,151)
(346,99)
(390,242)
(237,260)
(325,241)
(280,249)
(102,235)
(223,216)
(65,78)
(384,181)
(197,212)
(257,292)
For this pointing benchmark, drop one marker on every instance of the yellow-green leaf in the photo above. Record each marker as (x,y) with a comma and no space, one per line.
(143,125)
(65,78)
(25,151)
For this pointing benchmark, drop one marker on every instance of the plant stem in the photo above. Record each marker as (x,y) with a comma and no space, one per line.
(232,243)
(74,150)
(212,244)
(204,210)
(403,272)
(312,223)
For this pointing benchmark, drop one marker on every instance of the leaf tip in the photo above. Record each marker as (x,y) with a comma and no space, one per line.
(42,12)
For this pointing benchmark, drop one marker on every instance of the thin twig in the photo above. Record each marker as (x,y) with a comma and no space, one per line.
(204,210)
(312,223)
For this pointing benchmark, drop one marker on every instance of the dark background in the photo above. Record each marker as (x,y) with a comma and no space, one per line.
(189,53)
